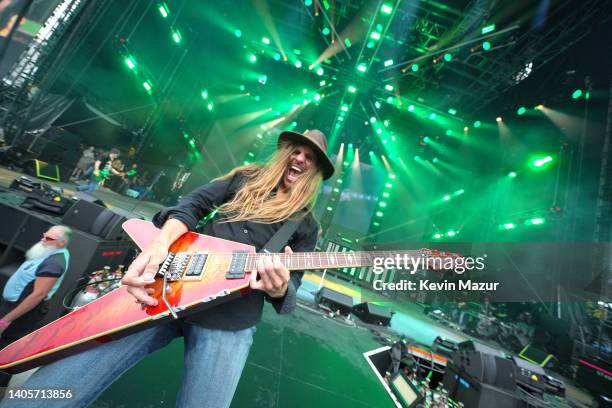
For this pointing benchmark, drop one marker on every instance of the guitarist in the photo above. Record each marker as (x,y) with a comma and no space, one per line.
(102,166)
(254,201)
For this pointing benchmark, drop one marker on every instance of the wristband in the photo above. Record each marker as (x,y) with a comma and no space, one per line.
(4,324)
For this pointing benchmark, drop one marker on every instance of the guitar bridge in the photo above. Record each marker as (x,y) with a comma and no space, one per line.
(183,265)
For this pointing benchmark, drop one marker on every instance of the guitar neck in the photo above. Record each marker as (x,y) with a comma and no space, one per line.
(300,261)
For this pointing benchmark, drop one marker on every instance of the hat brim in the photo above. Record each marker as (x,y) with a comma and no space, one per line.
(326,165)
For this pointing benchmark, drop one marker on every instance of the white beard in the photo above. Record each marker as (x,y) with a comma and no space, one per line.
(39,250)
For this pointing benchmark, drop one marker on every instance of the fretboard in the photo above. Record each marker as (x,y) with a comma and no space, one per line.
(331,260)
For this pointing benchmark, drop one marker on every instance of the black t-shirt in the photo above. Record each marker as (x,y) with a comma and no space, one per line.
(245,311)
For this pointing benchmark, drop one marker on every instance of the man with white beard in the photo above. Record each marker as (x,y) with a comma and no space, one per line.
(36,280)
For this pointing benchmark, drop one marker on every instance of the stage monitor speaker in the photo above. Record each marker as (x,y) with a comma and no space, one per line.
(88,197)
(374,314)
(82,215)
(95,219)
(474,394)
(486,368)
(335,300)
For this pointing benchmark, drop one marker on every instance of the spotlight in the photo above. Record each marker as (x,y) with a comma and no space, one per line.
(498,119)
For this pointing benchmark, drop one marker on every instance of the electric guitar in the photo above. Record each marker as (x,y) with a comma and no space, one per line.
(202,272)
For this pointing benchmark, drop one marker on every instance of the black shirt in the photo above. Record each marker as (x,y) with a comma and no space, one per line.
(245,311)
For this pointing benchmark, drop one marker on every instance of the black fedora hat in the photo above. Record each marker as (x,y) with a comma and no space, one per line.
(317,141)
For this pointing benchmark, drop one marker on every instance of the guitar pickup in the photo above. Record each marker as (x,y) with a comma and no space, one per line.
(194,270)
(237,265)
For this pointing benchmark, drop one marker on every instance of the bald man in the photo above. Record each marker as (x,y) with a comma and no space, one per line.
(37,279)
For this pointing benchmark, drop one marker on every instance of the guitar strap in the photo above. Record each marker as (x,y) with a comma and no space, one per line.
(281,237)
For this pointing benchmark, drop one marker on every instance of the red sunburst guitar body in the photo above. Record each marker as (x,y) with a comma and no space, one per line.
(201,271)
(116,314)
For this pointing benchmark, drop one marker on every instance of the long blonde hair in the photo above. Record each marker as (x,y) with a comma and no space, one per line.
(257,201)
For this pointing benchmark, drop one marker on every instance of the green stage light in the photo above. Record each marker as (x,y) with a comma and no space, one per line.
(417,158)
(375,35)
(477,123)
(259,136)
(577,94)
(446,198)
(437,235)
(185,135)
(329,209)
(386,195)
(252,58)
(452,111)
(371,153)
(388,185)
(163,10)
(535,221)
(448,57)
(345,163)
(411,108)
(336,190)
(542,161)
(370,44)
(508,226)
(378,131)
(265,40)
(379,213)
(388,63)
(432,116)
(377,104)
(317,97)
(487,29)
(382,204)
(176,36)
(486,46)
(389,88)
(386,123)
(148,87)
(459,192)
(449,132)
(276,56)
(451,233)
(344,108)
(298,64)
(386,9)
(325,31)
(414,67)
(347,42)
(129,61)
(322,83)
(512,174)
(435,160)
(308,3)
(390,100)
(210,106)
(362,67)
(304,91)
(238,33)
(352,89)
(372,119)
(320,71)
(521,110)
(205,94)
(376,224)
(426,139)
(192,143)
